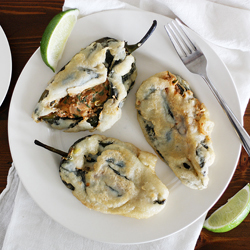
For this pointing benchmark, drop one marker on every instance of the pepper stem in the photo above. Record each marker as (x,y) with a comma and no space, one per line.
(133,47)
(54,150)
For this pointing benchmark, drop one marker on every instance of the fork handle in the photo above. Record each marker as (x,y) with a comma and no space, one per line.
(240,131)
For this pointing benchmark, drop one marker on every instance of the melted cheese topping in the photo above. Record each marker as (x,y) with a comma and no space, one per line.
(177,126)
(114,177)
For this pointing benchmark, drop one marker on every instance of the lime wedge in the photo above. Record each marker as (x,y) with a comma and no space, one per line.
(56,35)
(231,214)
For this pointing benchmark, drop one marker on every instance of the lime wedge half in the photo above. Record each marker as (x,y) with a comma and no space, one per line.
(56,35)
(231,214)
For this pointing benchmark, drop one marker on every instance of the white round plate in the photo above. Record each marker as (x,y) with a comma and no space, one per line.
(38,168)
(5,65)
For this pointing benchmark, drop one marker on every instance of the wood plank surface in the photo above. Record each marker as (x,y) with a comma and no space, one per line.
(24,23)
(238,238)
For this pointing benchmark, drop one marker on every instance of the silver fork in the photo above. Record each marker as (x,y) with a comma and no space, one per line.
(195,61)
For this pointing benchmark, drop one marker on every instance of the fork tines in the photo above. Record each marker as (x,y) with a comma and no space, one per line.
(179,38)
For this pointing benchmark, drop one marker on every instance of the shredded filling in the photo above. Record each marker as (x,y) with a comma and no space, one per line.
(85,104)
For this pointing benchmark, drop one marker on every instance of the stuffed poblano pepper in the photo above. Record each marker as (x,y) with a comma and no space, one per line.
(111,176)
(88,92)
(177,126)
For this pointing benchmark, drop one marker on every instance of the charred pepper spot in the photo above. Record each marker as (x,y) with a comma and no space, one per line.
(116,63)
(82,173)
(169,135)
(63,68)
(113,92)
(105,41)
(120,164)
(55,120)
(166,104)
(72,125)
(158,152)
(185,165)
(90,158)
(108,60)
(44,95)
(94,46)
(201,157)
(118,173)
(94,120)
(127,76)
(110,160)
(179,89)
(160,202)
(203,143)
(202,162)
(68,185)
(149,129)
(105,144)
(150,91)
(169,112)
(114,190)
(90,72)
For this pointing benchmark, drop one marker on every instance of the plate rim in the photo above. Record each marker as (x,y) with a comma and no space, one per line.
(8,71)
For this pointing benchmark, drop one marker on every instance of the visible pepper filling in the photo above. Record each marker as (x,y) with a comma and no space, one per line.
(84,104)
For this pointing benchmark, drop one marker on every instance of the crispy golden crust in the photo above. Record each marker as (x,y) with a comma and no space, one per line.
(114,177)
(177,126)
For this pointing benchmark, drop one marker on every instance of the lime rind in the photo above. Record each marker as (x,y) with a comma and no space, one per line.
(230,212)
(55,37)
